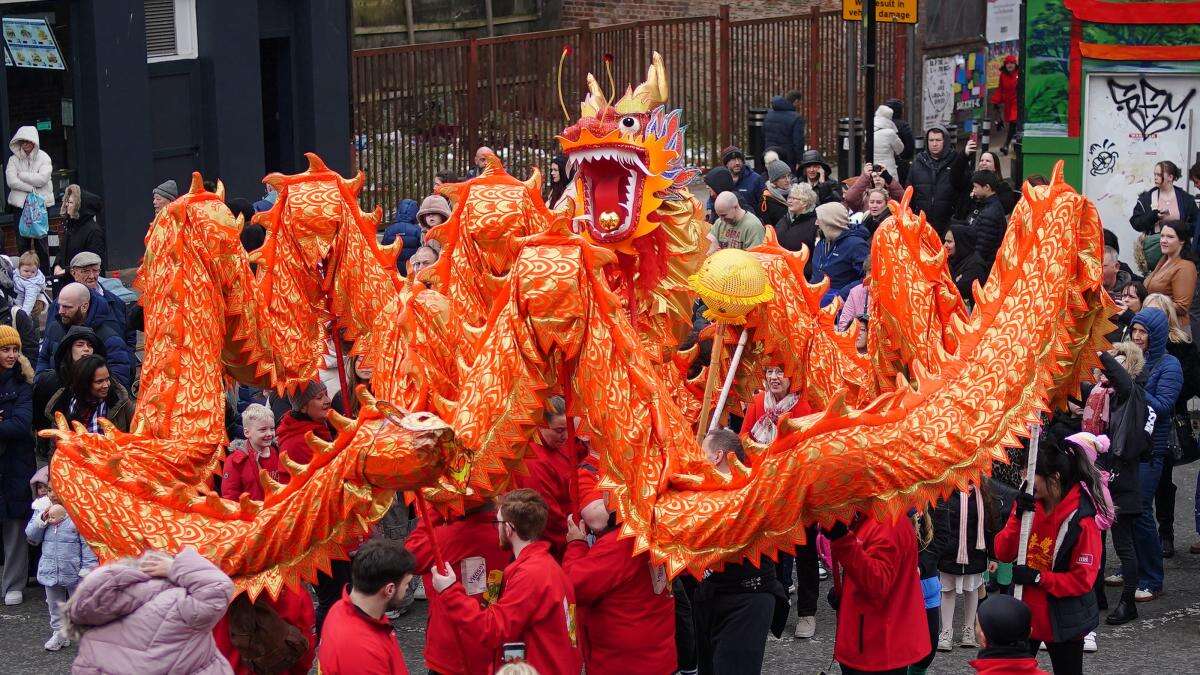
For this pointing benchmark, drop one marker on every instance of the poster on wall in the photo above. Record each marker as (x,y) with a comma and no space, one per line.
(31,44)
(969,81)
(1003,20)
(1132,121)
(938,102)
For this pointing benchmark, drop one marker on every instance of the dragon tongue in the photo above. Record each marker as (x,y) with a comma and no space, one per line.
(607,199)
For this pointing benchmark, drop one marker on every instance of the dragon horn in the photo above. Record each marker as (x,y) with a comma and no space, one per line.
(534,182)
(612,84)
(315,163)
(600,100)
(220,191)
(561,102)
(653,91)
(197,185)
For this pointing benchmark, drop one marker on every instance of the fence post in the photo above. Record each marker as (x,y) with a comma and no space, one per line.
(472,135)
(900,60)
(814,74)
(724,56)
(585,53)
(714,91)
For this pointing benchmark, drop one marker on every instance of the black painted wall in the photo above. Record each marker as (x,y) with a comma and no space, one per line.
(140,123)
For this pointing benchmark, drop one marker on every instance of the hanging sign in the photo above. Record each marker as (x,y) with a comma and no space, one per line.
(31,44)
(886,11)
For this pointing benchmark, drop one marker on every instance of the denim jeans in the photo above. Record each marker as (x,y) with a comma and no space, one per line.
(1145,531)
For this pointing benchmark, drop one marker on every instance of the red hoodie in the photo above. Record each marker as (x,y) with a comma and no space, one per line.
(881,616)
(627,614)
(290,436)
(1044,539)
(353,643)
(472,546)
(1014,666)
(536,606)
(550,474)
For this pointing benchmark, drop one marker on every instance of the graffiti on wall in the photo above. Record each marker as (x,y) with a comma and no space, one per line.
(1148,108)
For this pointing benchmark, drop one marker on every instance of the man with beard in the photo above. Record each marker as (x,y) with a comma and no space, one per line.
(551,463)
(761,424)
(358,637)
(536,607)
(80,306)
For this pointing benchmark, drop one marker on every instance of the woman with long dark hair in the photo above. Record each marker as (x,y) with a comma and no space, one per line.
(1064,552)
(91,394)
(1175,273)
(559,181)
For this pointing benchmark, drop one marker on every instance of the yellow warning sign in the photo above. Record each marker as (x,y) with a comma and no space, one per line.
(886,11)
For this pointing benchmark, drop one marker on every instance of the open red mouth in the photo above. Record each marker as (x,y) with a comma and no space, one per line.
(612,181)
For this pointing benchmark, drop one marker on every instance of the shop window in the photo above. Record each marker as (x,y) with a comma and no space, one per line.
(170,30)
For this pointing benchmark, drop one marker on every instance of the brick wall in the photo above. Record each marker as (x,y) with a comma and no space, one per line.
(603,12)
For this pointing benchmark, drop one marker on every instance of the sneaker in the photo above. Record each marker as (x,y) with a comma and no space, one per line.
(968,639)
(806,627)
(14,598)
(57,642)
(1089,642)
(945,644)
(1145,595)
(419,593)
(822,573)
(1042,647)
(1114,580)
(1168,547)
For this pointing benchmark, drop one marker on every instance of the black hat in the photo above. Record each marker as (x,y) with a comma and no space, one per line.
(732,152)
(814,156)
(1005,621)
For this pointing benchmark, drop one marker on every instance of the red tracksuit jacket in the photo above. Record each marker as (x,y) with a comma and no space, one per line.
(881,614)
(627,614)
(550,473)
(1085,558)
(353,643)
(1014,666)
(536,606)
(241,473)
(472,547)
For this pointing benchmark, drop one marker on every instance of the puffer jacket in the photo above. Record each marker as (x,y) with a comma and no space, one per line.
(28,173)
(1162,376)
(887,141)
(938,183)
(783,127)
(17,461)
(842,261)
(989,224)
(406,229)
(104,322)
(64,552)
(140,624)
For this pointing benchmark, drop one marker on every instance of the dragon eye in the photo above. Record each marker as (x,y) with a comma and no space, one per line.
(630,124)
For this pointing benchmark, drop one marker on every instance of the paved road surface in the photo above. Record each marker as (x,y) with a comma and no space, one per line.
(1165,640)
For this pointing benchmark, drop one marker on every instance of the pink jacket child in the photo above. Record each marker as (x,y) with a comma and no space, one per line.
(133,622)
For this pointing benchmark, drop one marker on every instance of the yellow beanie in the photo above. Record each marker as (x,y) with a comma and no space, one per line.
(9,336)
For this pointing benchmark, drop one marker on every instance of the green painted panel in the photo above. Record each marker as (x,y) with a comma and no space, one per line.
(1040,154)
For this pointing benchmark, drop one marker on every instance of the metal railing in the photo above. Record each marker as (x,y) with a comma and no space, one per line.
(423,108)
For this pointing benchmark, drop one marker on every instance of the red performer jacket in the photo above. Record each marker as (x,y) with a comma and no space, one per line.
(881,612)
(627,614)
(1066,571)
(536,606)
(755,411)
(241,472)
(353,643)
(1016,665)
(472,547)
(550,473)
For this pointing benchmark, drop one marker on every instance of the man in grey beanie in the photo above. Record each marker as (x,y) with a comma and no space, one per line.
(165,193)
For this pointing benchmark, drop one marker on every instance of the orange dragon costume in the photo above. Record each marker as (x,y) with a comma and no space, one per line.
(522,306)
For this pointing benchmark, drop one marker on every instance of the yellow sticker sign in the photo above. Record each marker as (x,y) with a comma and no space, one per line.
(886,11)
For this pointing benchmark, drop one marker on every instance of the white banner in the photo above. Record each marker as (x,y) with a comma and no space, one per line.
(1003,20)
(938,98)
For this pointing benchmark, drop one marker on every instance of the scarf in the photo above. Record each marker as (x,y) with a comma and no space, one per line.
(1092,447)
(92,421)
(1097,410)
(963,508)
(767,426)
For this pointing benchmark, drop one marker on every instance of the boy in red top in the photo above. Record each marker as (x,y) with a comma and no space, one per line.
(257,452)
(880,608)
(471,545)
(536,605)
(551,462)
(1002,630)
(627,611)
(357,638)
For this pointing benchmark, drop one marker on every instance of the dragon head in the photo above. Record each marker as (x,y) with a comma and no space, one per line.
(624,155)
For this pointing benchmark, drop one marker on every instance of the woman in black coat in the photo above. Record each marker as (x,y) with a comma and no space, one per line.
(1123,486)
(1153,208)
(81,232)
(966,265)
(17,463)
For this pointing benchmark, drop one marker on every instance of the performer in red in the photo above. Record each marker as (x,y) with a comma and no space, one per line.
(536,608)
(551,462)
(471,546)
(880,608)
(626,610)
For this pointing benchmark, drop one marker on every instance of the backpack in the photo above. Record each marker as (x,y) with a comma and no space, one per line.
(35,221)
(1132,427)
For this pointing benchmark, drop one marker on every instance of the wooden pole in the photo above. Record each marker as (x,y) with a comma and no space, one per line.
(733,365)
(714,363)
(1035,432)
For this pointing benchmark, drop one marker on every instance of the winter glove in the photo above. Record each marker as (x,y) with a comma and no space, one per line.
(1025,575)
(1025,501)
(887,177)
(838,531)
